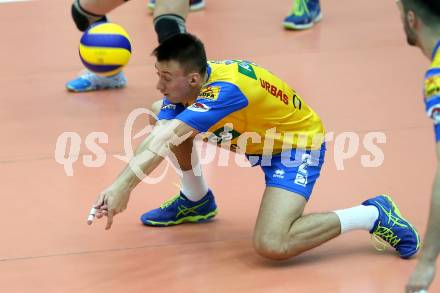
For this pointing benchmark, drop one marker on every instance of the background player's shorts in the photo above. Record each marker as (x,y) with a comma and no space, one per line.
(296,170)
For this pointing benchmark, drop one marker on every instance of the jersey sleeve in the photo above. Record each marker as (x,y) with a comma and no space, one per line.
(432,98)
(169,110)
(215,101)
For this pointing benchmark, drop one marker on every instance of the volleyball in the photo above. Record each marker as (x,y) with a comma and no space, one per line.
(105,48)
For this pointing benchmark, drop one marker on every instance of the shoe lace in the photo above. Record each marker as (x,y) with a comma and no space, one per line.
(383,235)
(170,201)
(299,7)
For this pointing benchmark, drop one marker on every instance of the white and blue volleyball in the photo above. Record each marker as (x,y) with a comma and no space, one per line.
(105,48)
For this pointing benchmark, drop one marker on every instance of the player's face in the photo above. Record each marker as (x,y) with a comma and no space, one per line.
(411,36)
(173,82)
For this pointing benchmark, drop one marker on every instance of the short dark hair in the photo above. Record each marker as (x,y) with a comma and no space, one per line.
(427,10)
(186,49)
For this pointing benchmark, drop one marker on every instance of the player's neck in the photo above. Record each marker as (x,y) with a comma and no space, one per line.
(205,79)
(436,48)
(428,43)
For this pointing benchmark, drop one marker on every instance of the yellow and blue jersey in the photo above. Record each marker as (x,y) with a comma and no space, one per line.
(240,98)
(432,90)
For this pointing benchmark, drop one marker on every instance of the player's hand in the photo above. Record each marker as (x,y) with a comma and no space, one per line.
(110,202)
(422,277)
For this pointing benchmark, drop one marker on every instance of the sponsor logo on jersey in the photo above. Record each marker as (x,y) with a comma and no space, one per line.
(168,107)
(198,107)
(224,134)
(209,93)
(274,91)
(246,68)
(432,86)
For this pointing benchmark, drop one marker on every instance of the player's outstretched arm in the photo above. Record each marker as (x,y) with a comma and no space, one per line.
(148,156)
(425,268)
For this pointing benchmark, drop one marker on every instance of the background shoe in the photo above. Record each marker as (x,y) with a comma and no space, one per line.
(179,209)
(90,81)
(304,14)
(392,228)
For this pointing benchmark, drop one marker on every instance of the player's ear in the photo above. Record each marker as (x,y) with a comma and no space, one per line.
(195,79)
(413,21)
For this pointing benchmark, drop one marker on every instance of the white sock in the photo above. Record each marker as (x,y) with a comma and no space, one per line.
(357,218)
(194,187)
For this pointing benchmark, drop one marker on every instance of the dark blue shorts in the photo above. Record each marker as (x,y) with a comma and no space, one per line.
(295,170)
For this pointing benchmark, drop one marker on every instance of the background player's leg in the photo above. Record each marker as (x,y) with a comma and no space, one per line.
(178,7)
(169,20)
(194,5)
(100,7)
(84,14)
(303,15)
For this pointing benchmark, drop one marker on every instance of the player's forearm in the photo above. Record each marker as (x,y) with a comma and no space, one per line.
(431,245)
(148,156)
(152,151)
(139,167)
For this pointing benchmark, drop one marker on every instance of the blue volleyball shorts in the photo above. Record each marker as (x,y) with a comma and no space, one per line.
(294,170)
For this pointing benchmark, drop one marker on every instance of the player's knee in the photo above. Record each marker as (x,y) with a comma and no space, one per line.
(271,246)
(277,246)
(82,18)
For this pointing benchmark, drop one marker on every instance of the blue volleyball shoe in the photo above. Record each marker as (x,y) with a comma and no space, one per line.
(90,81)
(194,5)
(303,15)
(392,228)
(180,209)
